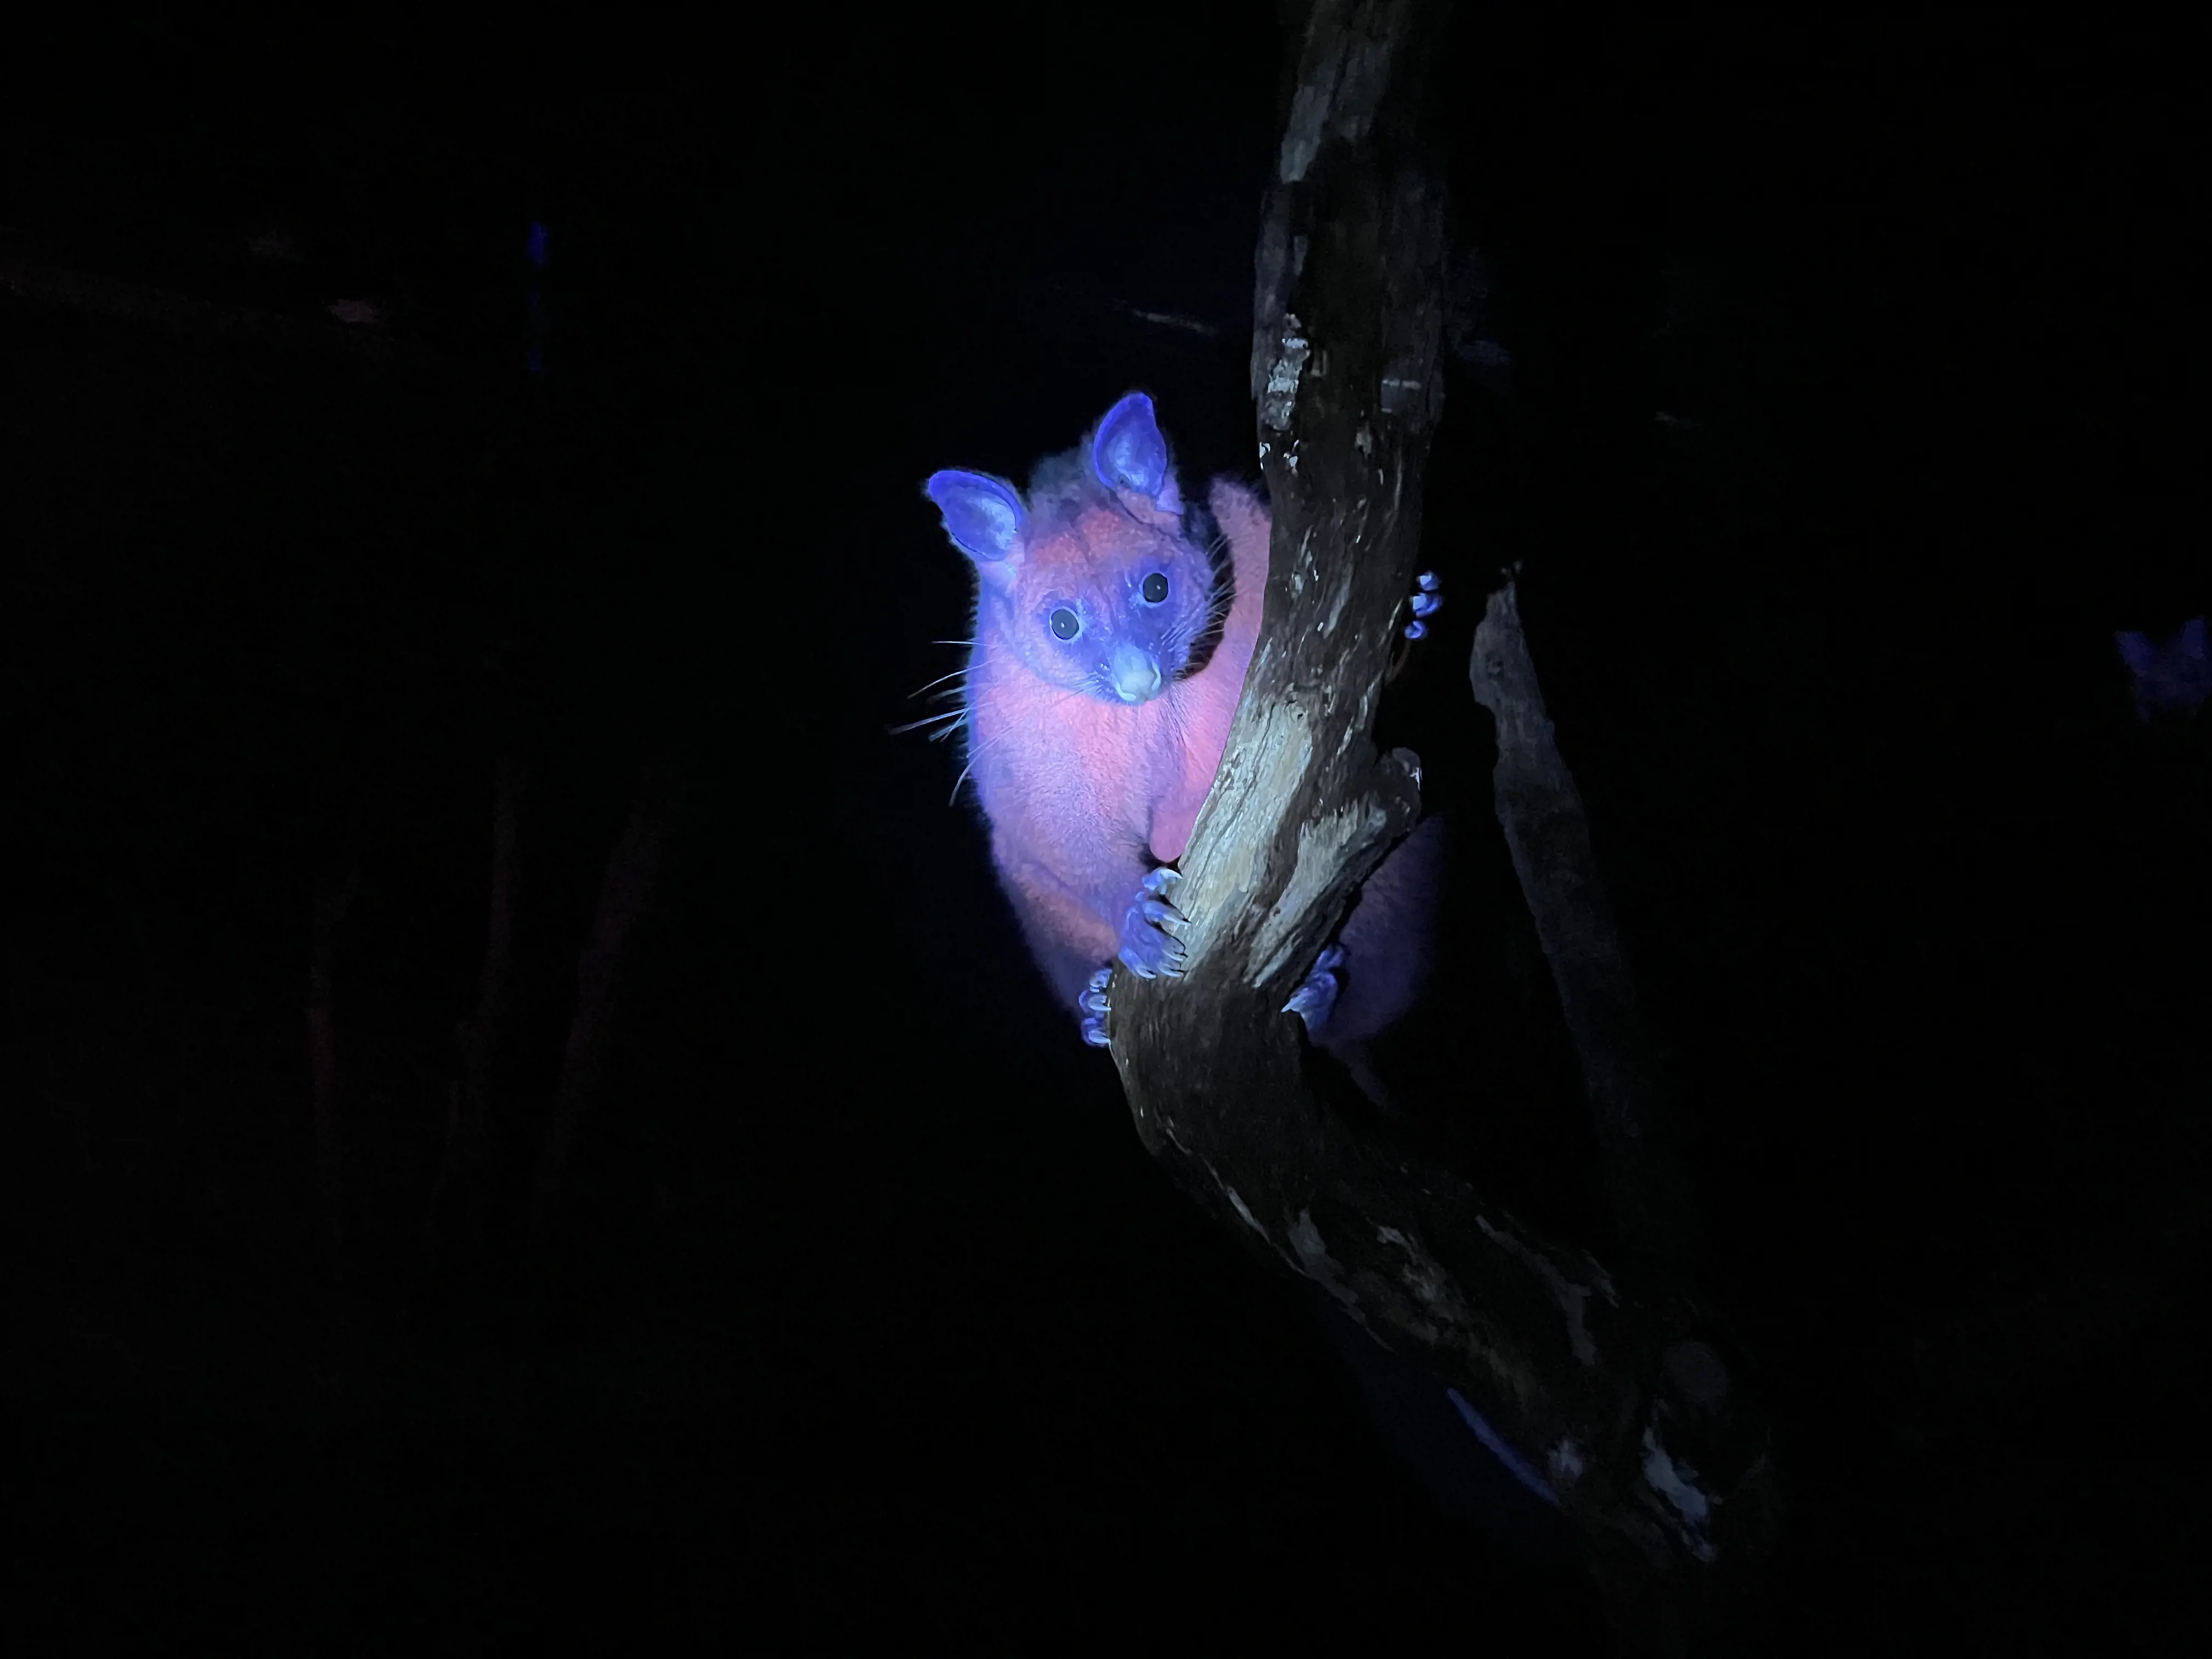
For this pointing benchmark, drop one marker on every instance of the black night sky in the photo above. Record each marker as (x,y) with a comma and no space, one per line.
(399,425)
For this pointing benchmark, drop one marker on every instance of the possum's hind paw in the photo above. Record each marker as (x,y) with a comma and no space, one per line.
(1315,1000)
(1427,600)
(1092,1002)
(1147,949)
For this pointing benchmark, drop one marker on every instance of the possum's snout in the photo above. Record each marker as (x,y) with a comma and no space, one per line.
(1136,672)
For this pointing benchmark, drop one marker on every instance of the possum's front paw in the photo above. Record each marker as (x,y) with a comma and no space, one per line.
(1148,950)
(1315,1000)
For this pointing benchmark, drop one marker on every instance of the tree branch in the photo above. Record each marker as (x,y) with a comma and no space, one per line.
(1595,1383)
(1540,810)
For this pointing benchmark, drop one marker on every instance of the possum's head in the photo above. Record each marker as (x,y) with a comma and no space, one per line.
(1099,581)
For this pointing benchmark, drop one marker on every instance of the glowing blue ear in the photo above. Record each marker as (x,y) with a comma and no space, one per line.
(1129,453)
(984,516)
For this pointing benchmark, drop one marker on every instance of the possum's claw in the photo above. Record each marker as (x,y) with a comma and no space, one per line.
(1147,949)
(1092,1002)
(1428,599)
(1093,999)
(1315,1000)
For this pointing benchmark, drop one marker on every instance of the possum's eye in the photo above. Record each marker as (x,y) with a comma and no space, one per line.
(1064,624)
(1156,589)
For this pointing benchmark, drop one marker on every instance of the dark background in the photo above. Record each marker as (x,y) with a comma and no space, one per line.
(1844,422)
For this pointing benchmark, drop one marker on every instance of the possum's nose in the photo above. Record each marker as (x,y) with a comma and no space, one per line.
(1136,674)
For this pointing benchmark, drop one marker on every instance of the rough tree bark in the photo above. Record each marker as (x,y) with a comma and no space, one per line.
(1540,810)
(1607,1381)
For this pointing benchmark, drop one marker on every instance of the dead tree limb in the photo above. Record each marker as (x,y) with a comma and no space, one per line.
(1540,810)
(1595,1378)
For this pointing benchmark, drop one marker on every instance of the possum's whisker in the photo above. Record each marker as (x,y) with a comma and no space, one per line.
(975,755)
(926,719)
(956,674)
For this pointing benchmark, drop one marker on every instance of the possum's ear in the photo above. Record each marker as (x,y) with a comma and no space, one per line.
(2134,651)
(983,515)
(1129,452)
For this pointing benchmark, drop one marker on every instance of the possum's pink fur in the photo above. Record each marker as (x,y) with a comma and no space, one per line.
(1080,791)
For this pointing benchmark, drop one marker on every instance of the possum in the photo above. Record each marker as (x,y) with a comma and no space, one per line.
(1114,621)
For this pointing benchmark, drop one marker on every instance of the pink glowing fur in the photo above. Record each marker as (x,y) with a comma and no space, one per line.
(1086,796)
(1096,719)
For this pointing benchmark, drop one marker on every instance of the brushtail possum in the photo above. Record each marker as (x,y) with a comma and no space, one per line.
(1115,620)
